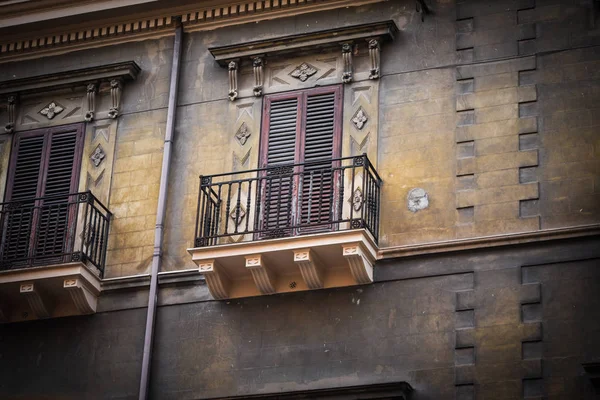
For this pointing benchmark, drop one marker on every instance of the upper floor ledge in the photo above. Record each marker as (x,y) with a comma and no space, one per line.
(22,37)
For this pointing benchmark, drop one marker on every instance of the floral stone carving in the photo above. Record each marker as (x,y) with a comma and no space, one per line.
(357,200)
(303,72)
(360,119)
(51,110)
(237,214)
(97,156)
(243,134)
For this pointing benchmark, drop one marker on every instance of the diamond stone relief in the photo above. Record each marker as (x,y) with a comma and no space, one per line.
(51,110)
(97,156)
(357,199)
(240,216)
(360,119)
(243,134)
(304,71)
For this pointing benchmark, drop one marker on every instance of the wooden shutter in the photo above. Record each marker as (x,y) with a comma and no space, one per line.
(44,171)
(53,228)
(317,178)
(26,176)
(283,123)
(301,127)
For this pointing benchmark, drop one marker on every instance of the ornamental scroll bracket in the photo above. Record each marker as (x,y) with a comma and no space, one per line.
(374,50)
(11,105)
(257,66)
(233,79)
(347,58)
(91,90)
(116,87)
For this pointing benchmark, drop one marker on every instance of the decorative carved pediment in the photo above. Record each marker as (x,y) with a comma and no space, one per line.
(344,40)
(111,75)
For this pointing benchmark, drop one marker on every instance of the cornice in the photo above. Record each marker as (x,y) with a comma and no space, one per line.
(162,23)
(490,241)
(330,38)
(124,71)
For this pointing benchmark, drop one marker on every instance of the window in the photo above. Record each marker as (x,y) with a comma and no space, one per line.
(44,170)
(301,140)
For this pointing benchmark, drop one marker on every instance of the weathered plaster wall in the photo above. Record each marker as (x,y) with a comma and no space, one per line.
(473,323)
(487,106)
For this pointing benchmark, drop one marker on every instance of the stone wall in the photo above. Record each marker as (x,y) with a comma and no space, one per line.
(507,323)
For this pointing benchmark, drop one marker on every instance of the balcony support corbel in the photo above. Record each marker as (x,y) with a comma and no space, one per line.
(361,266)
(85,301)
(38,302)
(217,281)
(310,267)
(262,275)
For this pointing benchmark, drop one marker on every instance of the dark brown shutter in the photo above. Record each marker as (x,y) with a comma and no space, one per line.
(25,182)
(43,174)
(281,155)
(53,226)
(316,179)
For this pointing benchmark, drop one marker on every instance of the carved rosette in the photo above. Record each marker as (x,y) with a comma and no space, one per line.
(92,89)
(243,134)
(374,49)
(97,156)
(11,105)
(347,58)
(257,65)
(303,72)
(51,110)
(116,87)
(233,86)
(360,119)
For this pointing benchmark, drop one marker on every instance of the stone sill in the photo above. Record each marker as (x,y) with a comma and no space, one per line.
(58,290)
(318,261)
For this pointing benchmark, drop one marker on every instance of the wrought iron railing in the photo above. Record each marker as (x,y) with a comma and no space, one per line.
(288,200)
(52,230)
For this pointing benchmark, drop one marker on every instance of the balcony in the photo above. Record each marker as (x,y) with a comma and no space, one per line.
(52,255)
(288,227)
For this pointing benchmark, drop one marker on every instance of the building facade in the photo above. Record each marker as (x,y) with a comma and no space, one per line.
(300,199)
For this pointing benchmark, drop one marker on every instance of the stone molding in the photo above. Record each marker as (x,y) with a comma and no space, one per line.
(123,71)
(161,24)
(489,241)
(306,42)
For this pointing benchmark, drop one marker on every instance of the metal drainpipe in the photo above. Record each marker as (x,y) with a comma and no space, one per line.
(160,212)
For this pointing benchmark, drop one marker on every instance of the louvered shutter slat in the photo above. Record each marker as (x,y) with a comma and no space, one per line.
(53,228)
(315,207)
(283,119)
(18,222)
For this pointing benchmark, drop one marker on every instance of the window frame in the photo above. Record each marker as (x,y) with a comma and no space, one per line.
(79,128)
